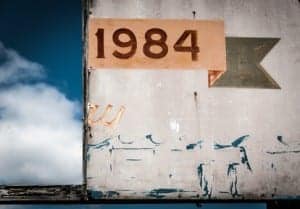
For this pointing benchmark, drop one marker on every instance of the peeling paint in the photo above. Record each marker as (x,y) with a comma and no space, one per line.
(235,143)
(194,145)
(283,152)
(160,193)
(166,192)
(123,142)
(244,158)
(132,148)
(232,172)
(176,150)
(203,182)
(93,194)
(280,139)
(149,136)
(133,159)
(100,145)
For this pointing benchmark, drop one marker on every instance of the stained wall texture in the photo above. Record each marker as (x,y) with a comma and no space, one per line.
(177,138)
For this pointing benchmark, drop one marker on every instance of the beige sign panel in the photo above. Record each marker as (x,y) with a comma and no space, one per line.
(157,44)
(158,131)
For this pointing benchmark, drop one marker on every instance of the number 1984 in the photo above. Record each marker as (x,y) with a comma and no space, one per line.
(131,44)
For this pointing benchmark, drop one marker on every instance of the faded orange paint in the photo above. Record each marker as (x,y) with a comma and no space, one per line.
(210,40)
(92,111)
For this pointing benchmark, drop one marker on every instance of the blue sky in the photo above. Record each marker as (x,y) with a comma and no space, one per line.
(49,33)
(41,98)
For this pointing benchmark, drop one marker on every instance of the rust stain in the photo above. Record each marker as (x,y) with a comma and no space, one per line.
(213,76)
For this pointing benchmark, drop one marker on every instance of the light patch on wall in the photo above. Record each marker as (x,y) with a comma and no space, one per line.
(174,125)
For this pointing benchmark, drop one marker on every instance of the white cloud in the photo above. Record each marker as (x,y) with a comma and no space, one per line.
(40,136)
(16,68)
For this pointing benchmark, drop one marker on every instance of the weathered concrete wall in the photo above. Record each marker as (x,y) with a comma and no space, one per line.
(180,139)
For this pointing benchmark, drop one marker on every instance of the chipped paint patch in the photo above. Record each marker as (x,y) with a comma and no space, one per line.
(102,120)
